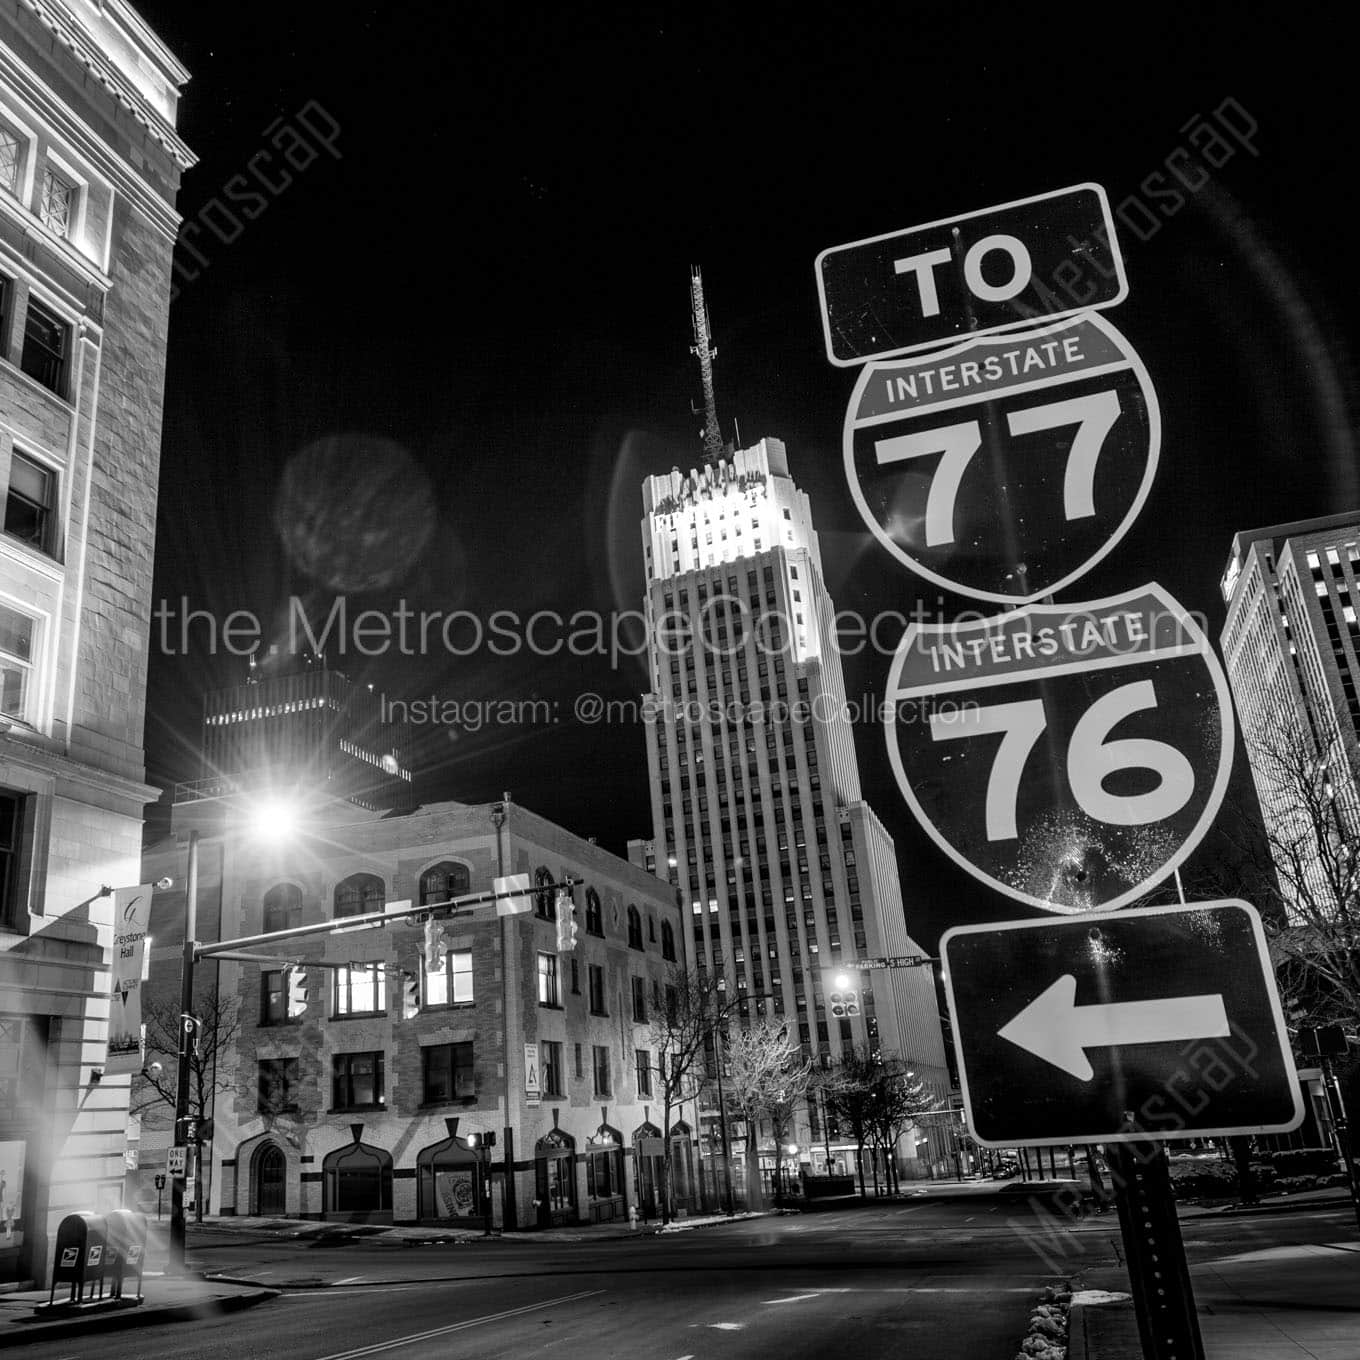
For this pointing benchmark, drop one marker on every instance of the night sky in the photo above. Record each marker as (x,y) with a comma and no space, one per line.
(486,269)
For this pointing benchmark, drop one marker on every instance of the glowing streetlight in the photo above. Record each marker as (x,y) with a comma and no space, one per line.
(274,820)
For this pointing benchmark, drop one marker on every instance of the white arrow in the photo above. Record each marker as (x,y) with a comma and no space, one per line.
(1053,1027)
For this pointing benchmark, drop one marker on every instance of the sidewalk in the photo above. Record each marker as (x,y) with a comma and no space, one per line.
(165,1299)
(1280,1303)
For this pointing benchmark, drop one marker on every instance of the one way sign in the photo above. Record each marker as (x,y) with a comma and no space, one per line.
(1162,1022)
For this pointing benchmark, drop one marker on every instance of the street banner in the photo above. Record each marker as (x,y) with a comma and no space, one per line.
(131,917)
(1069,756)
(1154,1022)
(513,906)
(1005,467)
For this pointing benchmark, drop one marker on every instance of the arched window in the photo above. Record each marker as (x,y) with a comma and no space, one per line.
(604,1163)
(357,1183)
(667,941)
(359,893)
(555,1178)
(594,913)
(444,881)
(543,895)
(634,928)
(282,907)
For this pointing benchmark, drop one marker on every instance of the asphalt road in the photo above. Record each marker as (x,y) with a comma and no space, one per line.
(944,1278)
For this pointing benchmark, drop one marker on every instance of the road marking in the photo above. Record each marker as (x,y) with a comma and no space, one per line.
(460,1326)
(349,1279)
(797,1298)
(726,1326)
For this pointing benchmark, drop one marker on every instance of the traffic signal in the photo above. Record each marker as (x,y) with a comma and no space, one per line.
(843,993)
(297,992)
(566,923)
(434,945)
(410,996)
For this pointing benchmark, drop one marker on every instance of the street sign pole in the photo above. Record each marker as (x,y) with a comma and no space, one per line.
(1159,1274)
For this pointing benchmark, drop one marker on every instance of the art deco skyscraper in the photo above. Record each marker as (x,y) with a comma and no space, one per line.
(782,868)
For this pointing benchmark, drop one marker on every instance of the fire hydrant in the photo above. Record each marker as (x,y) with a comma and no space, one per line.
(632,1216)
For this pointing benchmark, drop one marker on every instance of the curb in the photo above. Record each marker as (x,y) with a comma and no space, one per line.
(22,1334)
(1274,1207)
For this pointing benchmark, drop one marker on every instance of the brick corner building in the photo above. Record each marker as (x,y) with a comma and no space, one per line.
(90,164)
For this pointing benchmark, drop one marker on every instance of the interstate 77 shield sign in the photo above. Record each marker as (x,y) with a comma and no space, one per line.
(1069,756)
(1066,1028)
(1008,466)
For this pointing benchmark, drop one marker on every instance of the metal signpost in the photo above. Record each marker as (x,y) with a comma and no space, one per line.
(1070,756)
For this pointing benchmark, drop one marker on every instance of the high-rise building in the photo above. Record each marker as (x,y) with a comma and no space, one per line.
(783,871)
(311,726)
(90,164)
(1291,646)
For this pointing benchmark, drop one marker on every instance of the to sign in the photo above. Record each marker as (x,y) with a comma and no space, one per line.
(1006,467)
(1012,265)
(1167,1015)
(1069,756)
(176,1160)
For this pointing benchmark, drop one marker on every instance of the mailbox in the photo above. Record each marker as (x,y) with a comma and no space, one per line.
(79,1257)
(124,1252)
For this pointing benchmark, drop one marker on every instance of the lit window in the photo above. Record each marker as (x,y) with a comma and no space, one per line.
(452,985)
(548,993)
(58,198)
(29,502)
(16,660)
(360,989)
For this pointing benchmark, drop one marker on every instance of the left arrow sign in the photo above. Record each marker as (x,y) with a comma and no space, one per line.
(1053,1027)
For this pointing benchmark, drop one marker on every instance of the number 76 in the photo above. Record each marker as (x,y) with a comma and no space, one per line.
(1091,758)
(1094,416)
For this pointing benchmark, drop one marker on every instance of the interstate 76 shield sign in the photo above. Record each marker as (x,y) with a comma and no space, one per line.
(1006,467)
(1070,756)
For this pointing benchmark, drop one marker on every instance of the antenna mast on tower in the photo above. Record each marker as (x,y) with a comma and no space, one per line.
(707,352)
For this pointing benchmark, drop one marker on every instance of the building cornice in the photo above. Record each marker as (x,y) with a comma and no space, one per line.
(60,22)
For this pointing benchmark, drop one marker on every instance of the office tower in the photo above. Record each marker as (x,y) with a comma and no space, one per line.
(782,868)
(1291,646)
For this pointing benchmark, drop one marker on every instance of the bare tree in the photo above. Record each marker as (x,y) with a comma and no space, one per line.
(899,1095)
(848,1093)
(219,1025)
(696,1004)
(1304,874)
(768,1079)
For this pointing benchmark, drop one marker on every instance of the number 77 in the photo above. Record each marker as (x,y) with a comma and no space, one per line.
(1094,416)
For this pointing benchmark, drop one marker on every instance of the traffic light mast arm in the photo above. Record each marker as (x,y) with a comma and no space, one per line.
(372,918)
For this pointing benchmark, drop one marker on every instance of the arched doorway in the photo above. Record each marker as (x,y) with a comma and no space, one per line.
(604,1175)
(269,1181)
(357,1184)
(683,1187)
(555,1179)
(649,1155)
(449,1182)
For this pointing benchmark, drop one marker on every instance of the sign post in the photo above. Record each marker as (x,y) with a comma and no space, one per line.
(1000,440)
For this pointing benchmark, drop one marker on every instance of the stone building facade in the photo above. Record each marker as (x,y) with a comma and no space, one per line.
(89,168)
(344,1110)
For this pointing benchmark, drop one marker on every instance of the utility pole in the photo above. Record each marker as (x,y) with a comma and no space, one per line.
(187,1037)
